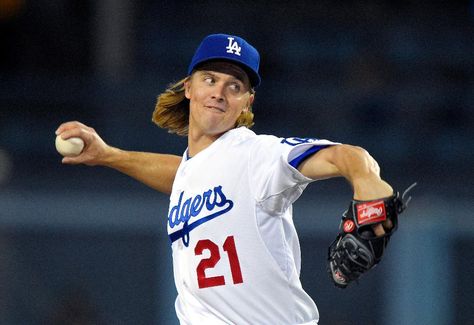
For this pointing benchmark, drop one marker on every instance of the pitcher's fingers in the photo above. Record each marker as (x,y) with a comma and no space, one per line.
(378,230)
(69,125)
(72,160)
(387,224)
(76,132)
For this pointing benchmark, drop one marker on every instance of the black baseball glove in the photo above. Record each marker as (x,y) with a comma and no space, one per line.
(356,248)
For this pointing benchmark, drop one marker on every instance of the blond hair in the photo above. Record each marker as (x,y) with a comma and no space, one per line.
(172,110)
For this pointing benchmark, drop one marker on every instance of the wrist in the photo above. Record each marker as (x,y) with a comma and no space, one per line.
(111,157)
(371,188)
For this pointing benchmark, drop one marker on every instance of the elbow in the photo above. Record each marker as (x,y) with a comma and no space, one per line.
(356,162)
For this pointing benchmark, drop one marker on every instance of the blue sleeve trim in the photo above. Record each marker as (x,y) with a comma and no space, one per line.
(298,160)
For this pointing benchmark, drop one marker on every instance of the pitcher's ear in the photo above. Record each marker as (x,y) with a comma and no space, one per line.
(187,88)
(248,107)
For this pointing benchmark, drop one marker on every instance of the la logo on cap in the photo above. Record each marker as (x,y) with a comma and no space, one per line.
(233,47)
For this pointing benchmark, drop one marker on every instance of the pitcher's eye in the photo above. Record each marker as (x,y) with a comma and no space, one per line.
(209,80)
(235,87)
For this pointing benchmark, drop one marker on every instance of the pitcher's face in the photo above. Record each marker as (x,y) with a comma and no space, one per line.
(218,94)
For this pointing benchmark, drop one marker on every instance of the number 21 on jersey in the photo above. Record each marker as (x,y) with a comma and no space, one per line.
(214,258)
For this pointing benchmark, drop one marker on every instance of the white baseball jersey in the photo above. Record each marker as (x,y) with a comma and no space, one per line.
(236,254)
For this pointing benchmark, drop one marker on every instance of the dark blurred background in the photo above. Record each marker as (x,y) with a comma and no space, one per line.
(87,245)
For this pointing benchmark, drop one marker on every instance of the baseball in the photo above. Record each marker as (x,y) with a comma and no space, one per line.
(69,148)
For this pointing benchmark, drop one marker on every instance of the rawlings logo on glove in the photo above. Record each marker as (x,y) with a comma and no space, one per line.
(372,212)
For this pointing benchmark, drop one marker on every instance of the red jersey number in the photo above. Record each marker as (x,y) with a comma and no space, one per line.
(210,262)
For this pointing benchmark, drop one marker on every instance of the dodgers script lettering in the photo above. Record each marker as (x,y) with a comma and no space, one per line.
(202,208)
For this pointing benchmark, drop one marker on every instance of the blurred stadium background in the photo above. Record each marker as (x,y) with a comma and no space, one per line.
(82,245)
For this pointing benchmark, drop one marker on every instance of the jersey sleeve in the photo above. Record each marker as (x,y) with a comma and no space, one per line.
(276,181)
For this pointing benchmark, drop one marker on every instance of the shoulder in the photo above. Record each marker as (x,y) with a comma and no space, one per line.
(247,137)
(265,143)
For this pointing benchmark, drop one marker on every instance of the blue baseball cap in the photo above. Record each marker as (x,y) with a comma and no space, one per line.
(228,48)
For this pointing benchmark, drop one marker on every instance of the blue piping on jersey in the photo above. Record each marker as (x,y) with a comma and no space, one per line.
(298,160)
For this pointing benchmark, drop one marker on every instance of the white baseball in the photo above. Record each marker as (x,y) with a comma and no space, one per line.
(69,148)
